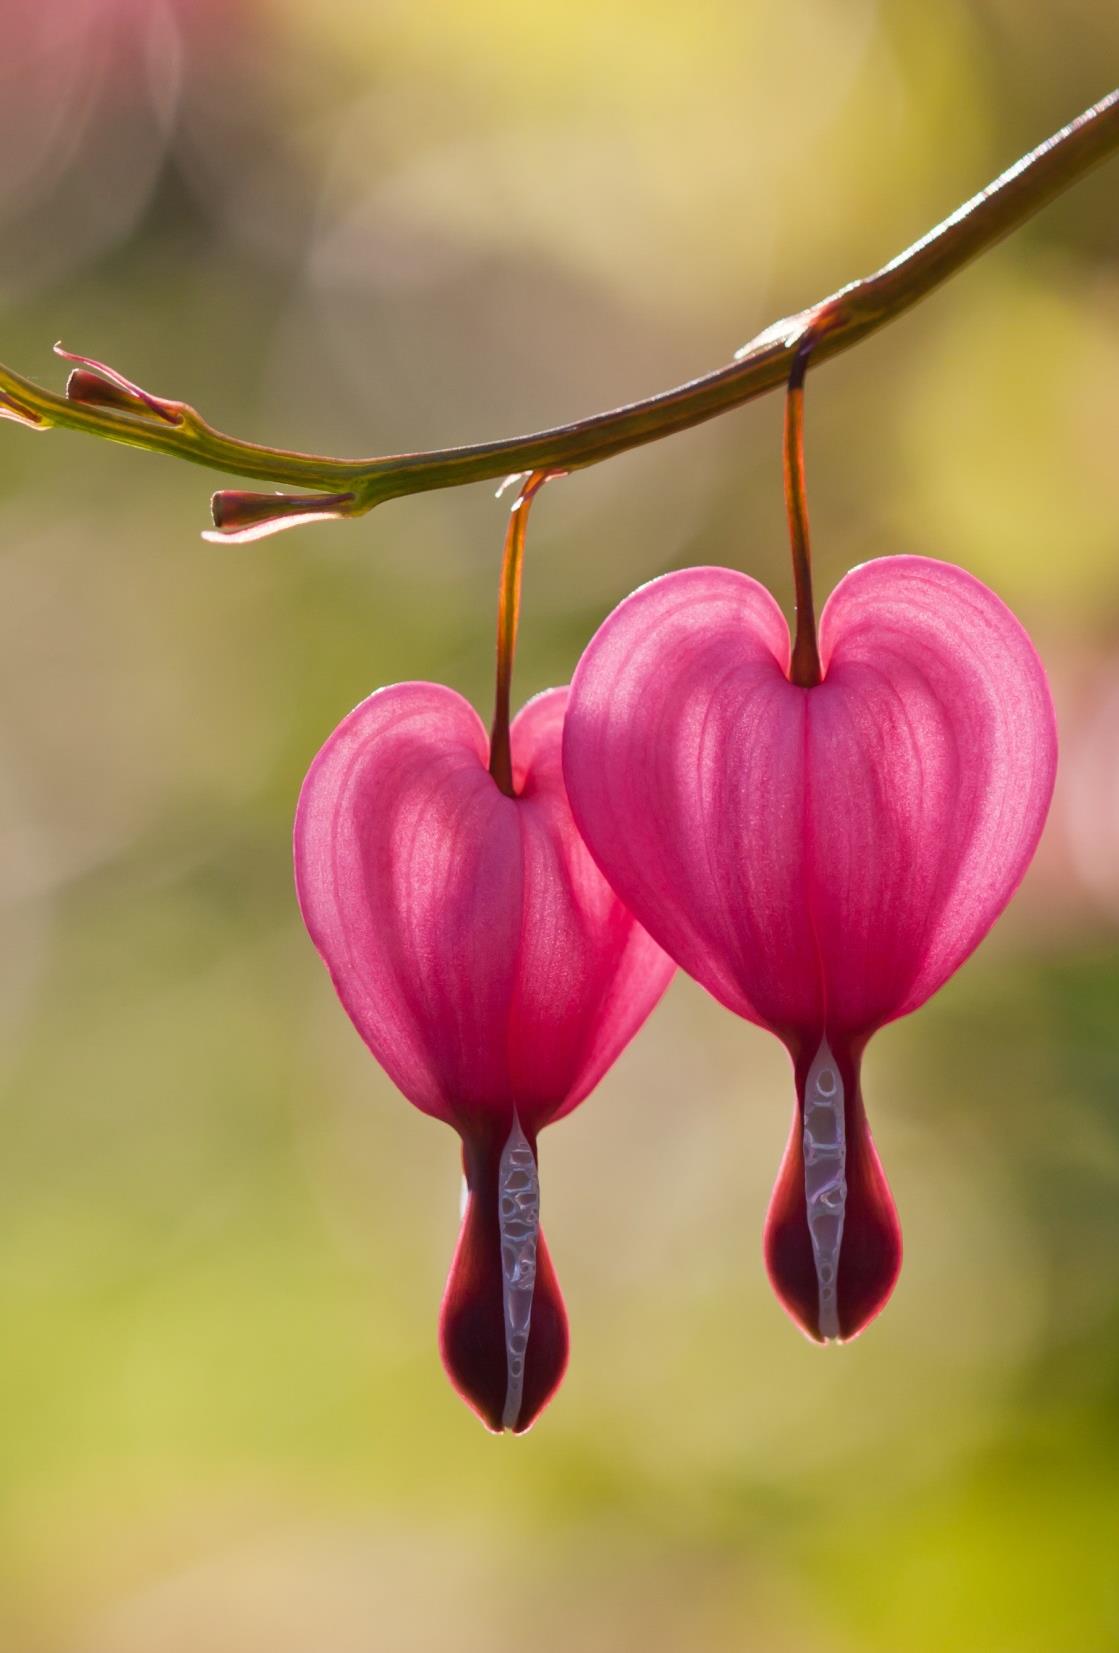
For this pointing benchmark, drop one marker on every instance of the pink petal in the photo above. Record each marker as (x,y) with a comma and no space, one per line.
(409,875)
(587,973)
(476,947)
(933,755)
(819,858)
(684,754)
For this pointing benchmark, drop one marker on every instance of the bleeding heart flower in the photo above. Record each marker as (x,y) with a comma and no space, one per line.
(490,969)
(820,858)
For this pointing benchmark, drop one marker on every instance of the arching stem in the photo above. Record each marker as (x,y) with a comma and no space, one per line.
(508,613)
(804,669)
(862,307)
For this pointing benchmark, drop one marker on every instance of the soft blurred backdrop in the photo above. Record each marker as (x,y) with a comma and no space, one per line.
(366,227)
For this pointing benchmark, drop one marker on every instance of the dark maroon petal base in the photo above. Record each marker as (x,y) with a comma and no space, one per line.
(472,1318)
(870,1253)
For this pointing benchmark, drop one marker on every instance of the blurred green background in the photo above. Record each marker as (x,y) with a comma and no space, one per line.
(365,228)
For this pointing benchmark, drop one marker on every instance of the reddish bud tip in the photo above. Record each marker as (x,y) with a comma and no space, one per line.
(11,409)
(240,517)
(507,1390)
(97,385)
(85,387)
(832,1237)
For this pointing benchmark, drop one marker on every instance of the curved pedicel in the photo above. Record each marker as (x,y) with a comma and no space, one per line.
(832,1236)
(503,1327)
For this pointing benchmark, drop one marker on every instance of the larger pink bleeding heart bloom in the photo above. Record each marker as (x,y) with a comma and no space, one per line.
(492,972)
(821,859)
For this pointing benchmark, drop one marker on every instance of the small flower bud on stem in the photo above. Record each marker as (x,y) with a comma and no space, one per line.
(11,409)
(96,384)
(240,517)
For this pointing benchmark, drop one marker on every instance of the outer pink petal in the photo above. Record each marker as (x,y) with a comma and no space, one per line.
(684,758)
(932,755)
(825,857)
(587,973)
(409,873)
(477,948)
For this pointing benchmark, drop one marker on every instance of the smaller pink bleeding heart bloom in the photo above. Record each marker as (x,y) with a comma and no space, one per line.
(820,858)
(492,972)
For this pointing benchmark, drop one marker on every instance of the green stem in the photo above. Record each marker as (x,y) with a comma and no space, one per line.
(855,312)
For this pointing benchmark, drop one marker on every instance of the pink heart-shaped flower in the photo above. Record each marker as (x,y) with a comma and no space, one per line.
(820,859)
(492,972)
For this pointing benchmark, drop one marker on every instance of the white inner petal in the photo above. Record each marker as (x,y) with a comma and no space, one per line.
(518,1195)
(825,1182)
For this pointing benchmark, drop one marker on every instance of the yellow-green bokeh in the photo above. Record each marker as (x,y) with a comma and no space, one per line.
(368,228)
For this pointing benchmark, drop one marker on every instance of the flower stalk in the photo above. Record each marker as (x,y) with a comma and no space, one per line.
(508,615)
(804,668)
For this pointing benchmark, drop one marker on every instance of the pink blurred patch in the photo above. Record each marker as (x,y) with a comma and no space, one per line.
(1090,790)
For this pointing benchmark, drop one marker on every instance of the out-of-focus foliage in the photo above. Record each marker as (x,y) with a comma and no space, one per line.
(222,1236)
